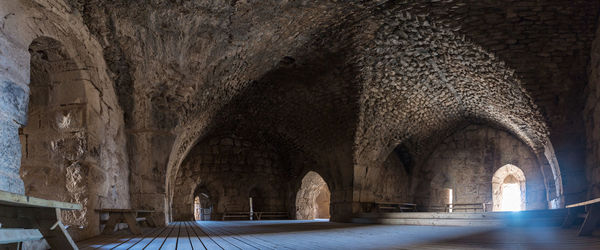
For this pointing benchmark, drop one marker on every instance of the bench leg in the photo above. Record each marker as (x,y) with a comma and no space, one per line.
(13,246)
(113,219)
(591,220)
(132,223)
(49,223)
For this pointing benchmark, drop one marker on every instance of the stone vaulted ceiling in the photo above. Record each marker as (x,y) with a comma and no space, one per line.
(347,82)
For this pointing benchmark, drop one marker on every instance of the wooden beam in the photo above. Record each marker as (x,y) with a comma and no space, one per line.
(584,203)
(122,210)
(14,235)
(19,200)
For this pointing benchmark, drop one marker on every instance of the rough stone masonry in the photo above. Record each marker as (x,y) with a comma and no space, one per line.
(138,104)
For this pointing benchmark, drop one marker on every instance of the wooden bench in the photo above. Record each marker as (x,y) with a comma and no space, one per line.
(246,215)
(129,216)
(395,207)
(589,210)
(260,215)
(25,218)
(434,208)
(467,206)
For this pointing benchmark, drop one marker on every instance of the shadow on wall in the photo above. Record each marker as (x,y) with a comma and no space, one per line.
(313,198)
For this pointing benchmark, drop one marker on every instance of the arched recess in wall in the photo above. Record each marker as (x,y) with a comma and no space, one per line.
(313,198)
(54,141)
(506,176)
(105,180)
(204,203)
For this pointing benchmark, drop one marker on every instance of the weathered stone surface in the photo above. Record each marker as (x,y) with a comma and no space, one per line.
(313,198)
(13,101)
(10,162)
(128,99)
(69,150)
(231,169)
(591,115)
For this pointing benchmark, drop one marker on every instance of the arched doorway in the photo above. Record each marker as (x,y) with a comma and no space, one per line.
(508,189)
(203,205)
(313,198)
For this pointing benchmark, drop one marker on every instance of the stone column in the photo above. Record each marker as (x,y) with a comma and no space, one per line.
(14,98)
(13,109)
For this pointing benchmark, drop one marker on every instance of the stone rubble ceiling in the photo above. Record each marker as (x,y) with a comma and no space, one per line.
(356,76)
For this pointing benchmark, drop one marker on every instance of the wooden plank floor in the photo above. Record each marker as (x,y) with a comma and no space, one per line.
(325,235)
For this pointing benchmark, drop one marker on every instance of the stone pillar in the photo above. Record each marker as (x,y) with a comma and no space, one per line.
(13,113)
(14,98)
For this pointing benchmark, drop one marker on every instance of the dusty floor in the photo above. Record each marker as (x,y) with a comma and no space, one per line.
(326,235)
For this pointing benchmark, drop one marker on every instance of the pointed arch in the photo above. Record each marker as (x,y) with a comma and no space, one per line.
(508,174)
(313,198)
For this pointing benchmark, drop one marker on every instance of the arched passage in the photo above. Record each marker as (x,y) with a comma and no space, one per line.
(509,189)
(313,198)
(203,204)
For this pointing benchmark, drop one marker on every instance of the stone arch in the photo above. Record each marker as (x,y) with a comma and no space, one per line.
(55,140)
(313,198)
(512,174)
(491,94)
(185,196)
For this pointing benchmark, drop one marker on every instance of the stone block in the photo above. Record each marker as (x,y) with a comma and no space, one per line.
(70,118)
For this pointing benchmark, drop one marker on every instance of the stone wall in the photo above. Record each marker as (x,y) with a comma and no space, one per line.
(231,168)
(389,181)
(73,146)
(466,162)
(591,115)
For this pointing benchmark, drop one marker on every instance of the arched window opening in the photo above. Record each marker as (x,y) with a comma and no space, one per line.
(313,198)
(203,206)
(508,189)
